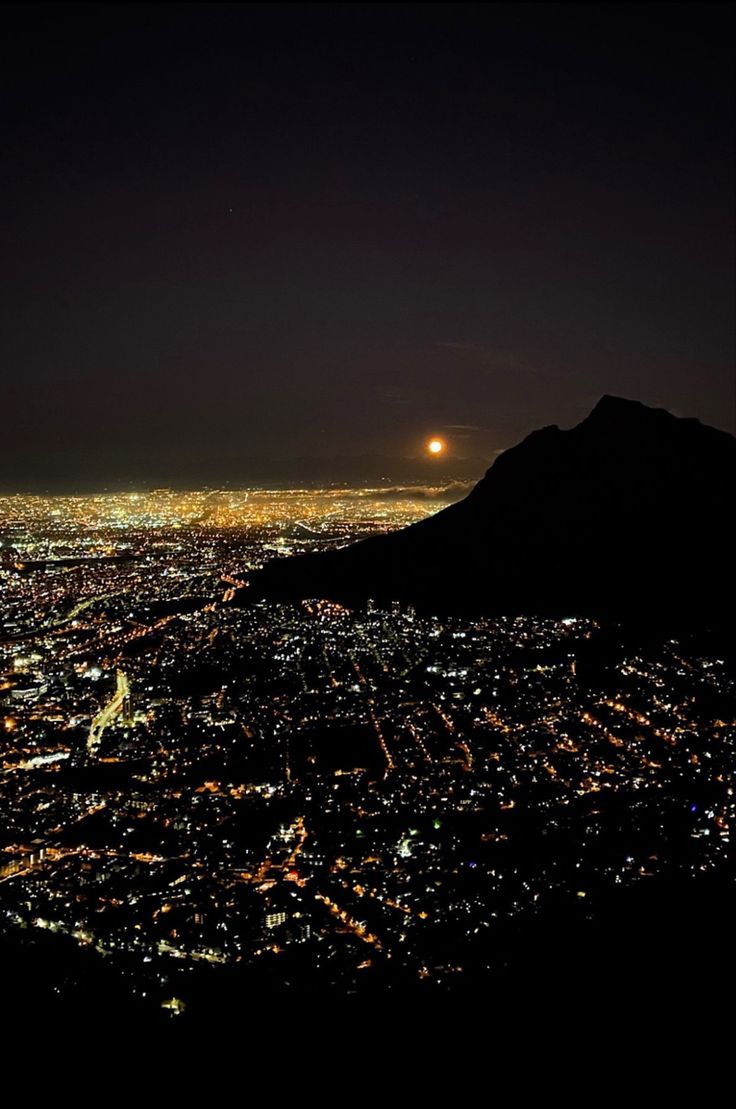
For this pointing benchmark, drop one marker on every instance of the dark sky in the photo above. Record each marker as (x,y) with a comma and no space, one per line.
(243,243)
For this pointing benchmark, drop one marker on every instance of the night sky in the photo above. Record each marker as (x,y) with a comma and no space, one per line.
(261,244)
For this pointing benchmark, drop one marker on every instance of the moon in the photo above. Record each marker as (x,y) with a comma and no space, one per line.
(436,446)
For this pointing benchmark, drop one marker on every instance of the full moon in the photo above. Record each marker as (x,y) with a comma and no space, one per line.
(436,446)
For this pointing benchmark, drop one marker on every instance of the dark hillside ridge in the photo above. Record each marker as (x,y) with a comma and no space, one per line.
(625,515)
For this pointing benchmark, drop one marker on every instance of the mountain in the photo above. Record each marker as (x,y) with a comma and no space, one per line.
(626,514)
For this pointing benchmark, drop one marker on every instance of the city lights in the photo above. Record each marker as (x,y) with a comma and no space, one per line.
(196,781)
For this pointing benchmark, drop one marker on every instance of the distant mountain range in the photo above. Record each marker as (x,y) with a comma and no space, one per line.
(628,514)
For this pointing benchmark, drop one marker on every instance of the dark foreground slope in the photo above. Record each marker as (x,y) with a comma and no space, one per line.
(626,514)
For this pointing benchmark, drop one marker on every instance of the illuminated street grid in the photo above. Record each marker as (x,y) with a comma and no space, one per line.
(310,794)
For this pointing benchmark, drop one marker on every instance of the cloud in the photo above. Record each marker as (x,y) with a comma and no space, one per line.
(455,491)
(491,357)
(451,344)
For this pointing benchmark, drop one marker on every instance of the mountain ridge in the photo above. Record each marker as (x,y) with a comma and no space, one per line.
(622,514)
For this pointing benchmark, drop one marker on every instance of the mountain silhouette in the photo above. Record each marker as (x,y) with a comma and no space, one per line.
(626,514)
